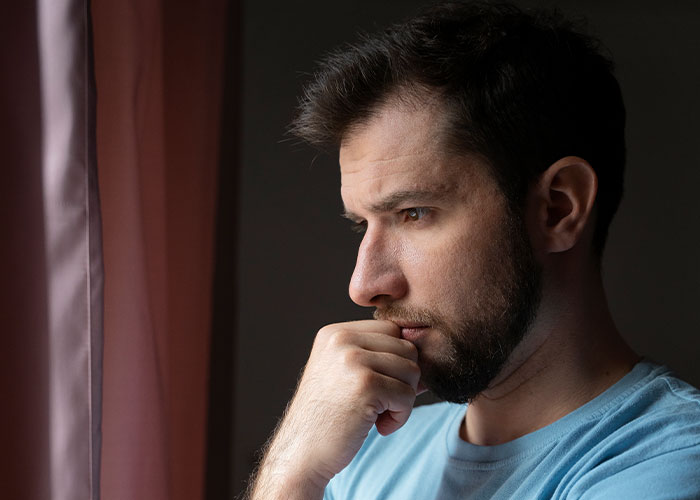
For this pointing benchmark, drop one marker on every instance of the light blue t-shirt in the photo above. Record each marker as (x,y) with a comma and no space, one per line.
(640,439)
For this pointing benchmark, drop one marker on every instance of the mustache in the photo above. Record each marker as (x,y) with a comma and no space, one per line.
(408,315)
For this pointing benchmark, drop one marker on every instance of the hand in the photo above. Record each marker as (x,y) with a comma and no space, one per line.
(359,374)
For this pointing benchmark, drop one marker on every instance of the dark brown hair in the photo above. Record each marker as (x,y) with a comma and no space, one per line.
(521,88)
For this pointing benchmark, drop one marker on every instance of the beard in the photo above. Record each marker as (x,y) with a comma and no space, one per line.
(495,318)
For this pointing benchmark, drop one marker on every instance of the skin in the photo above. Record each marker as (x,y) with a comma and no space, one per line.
(428,214)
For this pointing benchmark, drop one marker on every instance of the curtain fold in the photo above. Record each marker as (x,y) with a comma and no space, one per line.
(51,257)
(130,155)
(73,248)
(158,70)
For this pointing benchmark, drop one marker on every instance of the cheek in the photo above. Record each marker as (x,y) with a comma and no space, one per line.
(440,270)
(458,275)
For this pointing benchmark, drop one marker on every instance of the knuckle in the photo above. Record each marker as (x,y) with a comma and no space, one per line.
(332,335)
(366,380)
(406,397)
(339,338)
(414,369)
(352,357)
(324,333)
(370,411)
(411,349)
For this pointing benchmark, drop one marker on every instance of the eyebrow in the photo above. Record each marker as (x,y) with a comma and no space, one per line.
(398,198)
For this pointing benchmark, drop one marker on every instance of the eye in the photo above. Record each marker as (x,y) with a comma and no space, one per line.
(359,227)
(416,213)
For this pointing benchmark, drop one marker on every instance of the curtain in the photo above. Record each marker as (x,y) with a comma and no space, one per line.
(159,67)
(127,422)
(50,256)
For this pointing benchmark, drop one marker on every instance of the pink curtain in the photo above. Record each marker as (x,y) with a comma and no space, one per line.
(158,67)
(51,301)
(159,70)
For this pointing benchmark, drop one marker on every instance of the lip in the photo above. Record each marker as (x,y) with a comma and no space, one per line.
(413,332)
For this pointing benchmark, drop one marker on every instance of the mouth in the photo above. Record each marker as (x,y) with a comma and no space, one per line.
(412,332)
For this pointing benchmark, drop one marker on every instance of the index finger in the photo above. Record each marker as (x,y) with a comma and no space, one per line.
(377,326)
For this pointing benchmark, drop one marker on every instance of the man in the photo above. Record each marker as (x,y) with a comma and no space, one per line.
(482,154)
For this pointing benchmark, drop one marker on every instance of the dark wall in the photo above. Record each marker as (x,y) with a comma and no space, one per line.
(296,254)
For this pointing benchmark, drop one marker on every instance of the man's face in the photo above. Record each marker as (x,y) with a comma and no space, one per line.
(442,256)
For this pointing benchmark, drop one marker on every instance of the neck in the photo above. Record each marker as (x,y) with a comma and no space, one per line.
(572,353)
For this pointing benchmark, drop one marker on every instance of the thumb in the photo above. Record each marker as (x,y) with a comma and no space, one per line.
(391,421)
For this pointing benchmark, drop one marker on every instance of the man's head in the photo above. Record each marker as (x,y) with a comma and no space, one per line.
(445,126)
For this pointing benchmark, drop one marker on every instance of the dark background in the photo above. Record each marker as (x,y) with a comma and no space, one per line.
(295,255)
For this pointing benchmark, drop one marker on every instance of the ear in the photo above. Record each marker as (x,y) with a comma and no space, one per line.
(561,203)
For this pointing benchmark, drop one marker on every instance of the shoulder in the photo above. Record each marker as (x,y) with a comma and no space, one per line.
(650,472)
(662,406)
(654,450)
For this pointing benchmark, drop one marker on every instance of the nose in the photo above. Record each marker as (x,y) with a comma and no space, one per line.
(377,277)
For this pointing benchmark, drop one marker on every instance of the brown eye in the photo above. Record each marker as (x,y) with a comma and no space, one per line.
(416,213)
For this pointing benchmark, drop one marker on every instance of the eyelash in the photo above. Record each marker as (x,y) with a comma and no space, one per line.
(359,227)
(413,214)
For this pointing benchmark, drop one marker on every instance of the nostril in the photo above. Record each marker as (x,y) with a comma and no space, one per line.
(379,299)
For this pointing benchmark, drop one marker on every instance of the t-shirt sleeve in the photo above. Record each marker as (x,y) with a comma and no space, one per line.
(328,493)
(669,476)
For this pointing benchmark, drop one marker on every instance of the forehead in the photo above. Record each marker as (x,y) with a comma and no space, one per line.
(401,148)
